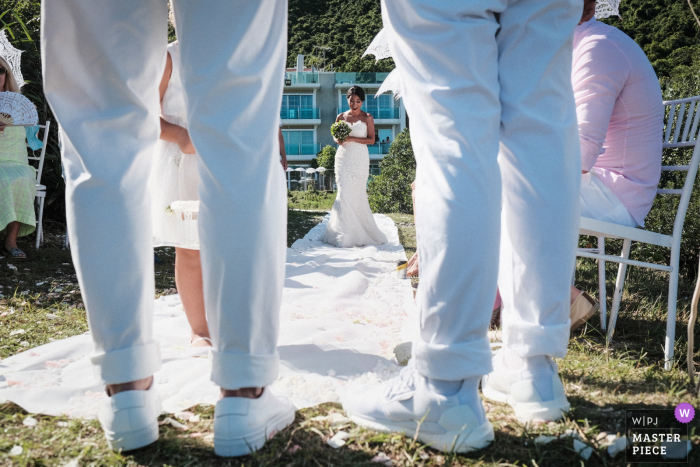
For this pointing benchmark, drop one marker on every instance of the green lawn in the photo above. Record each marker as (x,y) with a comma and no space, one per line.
(601,382)
(311,200)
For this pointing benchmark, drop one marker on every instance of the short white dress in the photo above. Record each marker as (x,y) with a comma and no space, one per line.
(174,175)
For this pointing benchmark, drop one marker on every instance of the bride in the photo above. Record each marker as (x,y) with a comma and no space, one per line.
(351,223)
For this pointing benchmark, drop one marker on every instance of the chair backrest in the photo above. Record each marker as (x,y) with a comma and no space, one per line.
(42,154)
(681,130)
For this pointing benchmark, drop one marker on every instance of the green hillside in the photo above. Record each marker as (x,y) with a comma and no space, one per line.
(347,26)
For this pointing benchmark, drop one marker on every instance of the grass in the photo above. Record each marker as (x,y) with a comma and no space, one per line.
(601,382)
(311,200)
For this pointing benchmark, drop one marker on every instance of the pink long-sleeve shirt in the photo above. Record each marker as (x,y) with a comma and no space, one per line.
(620,114)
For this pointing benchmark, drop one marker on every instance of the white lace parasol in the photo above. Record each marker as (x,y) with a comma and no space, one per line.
(15,109)
(12,56)
(379,47)
(392,83)
(605,8)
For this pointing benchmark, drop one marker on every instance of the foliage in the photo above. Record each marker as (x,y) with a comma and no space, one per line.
(310,200)
(347,27)
(665,29)
(326,158)
(391,190)
(21,21)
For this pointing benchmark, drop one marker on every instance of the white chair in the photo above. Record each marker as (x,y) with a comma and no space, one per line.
(680,130)
(41,189)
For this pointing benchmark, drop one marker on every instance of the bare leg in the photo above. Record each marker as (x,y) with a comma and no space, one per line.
(188,278)
(248,393)
(574,294)
(140,384)
(12,232)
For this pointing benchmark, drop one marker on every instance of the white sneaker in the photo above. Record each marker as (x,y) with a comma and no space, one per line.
(242,425)
(130,419)
(406,404)
(504,385)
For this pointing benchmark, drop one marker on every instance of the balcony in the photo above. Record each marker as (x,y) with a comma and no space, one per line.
(308,149)
(382,113)
(379,148)
(292,78)
(301,113)
(360,78)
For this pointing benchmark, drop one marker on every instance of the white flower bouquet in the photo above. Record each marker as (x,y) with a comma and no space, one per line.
(340,130)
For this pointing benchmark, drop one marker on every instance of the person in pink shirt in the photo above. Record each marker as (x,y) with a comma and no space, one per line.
(620,120)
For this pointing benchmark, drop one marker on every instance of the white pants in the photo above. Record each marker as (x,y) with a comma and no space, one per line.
(102,63)
(599,202)
(493,127)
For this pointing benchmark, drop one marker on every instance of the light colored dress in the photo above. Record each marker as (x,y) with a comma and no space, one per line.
(17,182)
(351,223)
(174,175)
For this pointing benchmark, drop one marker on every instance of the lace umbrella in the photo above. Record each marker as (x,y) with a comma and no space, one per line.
(12,56)
(605,8)
(379,47)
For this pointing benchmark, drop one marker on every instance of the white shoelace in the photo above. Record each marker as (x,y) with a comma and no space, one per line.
(403,385)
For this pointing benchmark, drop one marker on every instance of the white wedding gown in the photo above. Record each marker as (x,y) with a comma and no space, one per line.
(351,223)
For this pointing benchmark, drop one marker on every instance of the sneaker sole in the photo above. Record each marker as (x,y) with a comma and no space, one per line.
(134,439)
(451,441)
(529,411)
(236,447)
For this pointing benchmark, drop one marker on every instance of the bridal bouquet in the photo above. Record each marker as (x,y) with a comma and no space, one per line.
(340,130)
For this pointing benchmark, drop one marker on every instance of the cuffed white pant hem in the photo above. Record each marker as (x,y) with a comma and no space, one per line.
(453,362)
(129,364)
(235,371)
(531,340)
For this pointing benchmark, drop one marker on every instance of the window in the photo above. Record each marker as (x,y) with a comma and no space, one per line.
(296,106)
(299,142)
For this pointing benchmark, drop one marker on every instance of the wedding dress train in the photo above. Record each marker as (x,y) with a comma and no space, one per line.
(351,223)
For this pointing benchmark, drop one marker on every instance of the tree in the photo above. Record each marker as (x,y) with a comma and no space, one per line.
(391,190)
(326,158)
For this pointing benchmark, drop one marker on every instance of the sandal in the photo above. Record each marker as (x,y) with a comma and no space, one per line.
(16,253)
(199,350)
(582,309)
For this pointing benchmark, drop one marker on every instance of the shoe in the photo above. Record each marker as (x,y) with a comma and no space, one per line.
(16,253)
(242,425)
(583,308)
(130,419)
(406,404)
(200,350)
(521,393)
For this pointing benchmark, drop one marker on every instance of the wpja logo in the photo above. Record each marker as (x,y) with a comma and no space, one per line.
(658,436)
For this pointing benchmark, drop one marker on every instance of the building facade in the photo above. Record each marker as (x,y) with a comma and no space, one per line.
(312,100)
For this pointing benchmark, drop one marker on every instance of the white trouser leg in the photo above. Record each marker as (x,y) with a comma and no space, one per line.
(541,170)
(450,73)
(233,56)
(102,62)
(451,62)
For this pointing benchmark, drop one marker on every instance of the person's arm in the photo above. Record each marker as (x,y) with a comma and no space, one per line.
(599,73)
(283,151)
(370,133)
(169,131)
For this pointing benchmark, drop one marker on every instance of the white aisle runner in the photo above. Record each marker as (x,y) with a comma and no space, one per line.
(343,312)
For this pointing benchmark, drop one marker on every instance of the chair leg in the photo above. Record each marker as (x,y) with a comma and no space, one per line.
(619,285)
(602,296)
(671,319)
(40,227)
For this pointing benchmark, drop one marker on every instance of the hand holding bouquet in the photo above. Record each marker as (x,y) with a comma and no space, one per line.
(340,131)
